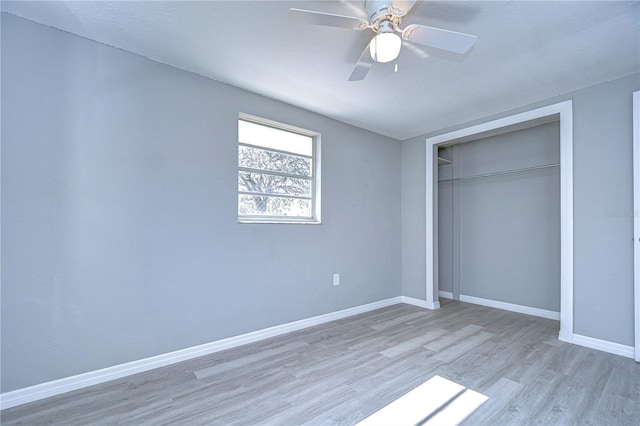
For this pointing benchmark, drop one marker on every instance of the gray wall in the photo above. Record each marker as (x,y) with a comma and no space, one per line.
(120,236)
(506,227)
(603,207)
(413,219)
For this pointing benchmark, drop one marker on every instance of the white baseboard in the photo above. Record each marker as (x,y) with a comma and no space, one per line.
(511,307)
(68,384)
(565,335)
(413,301)
(577,339)
(601,345)
(419,302)
(445,294)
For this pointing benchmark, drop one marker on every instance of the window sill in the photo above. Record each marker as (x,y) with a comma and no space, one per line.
(283,222)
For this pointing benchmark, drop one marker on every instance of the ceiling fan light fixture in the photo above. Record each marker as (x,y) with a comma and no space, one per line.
(385,47)
(384,19)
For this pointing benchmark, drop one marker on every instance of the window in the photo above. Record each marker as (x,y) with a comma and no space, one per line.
(278,172)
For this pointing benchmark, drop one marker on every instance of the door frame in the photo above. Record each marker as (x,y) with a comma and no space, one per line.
(562,112)
(636,220)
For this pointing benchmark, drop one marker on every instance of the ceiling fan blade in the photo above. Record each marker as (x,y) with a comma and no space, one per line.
(365,62)
(401,7)
(440,39)
(299,16)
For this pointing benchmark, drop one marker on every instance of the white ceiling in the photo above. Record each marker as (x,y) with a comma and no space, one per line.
(526,52)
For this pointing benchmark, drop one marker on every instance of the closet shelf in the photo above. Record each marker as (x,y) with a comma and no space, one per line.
(507,172)
(443,161)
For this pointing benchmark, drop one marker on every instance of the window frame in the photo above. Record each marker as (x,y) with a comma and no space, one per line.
(315,178)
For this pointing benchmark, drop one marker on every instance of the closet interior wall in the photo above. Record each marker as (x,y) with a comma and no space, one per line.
(499,218)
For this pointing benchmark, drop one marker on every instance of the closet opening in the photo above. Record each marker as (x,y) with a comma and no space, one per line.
(499,221)
(480,243)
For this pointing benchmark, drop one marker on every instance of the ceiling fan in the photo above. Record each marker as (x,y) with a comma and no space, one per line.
(384,19)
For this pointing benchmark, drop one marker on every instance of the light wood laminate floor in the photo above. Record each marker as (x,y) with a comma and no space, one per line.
(343,371)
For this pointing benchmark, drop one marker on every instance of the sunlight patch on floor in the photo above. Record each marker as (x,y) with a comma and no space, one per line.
(437,401)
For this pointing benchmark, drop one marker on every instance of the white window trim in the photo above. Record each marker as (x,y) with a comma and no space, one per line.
(315,218)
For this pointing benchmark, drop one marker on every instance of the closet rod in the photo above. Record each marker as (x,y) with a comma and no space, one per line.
(506,172)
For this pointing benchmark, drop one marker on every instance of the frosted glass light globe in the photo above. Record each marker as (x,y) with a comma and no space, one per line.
(385,47)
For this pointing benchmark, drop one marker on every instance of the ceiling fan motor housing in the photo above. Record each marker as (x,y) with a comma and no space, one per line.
(377,10)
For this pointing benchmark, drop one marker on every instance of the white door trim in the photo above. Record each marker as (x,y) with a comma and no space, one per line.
(563,112)
(636,220)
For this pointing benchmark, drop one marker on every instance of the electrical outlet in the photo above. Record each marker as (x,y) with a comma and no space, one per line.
(336,279)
